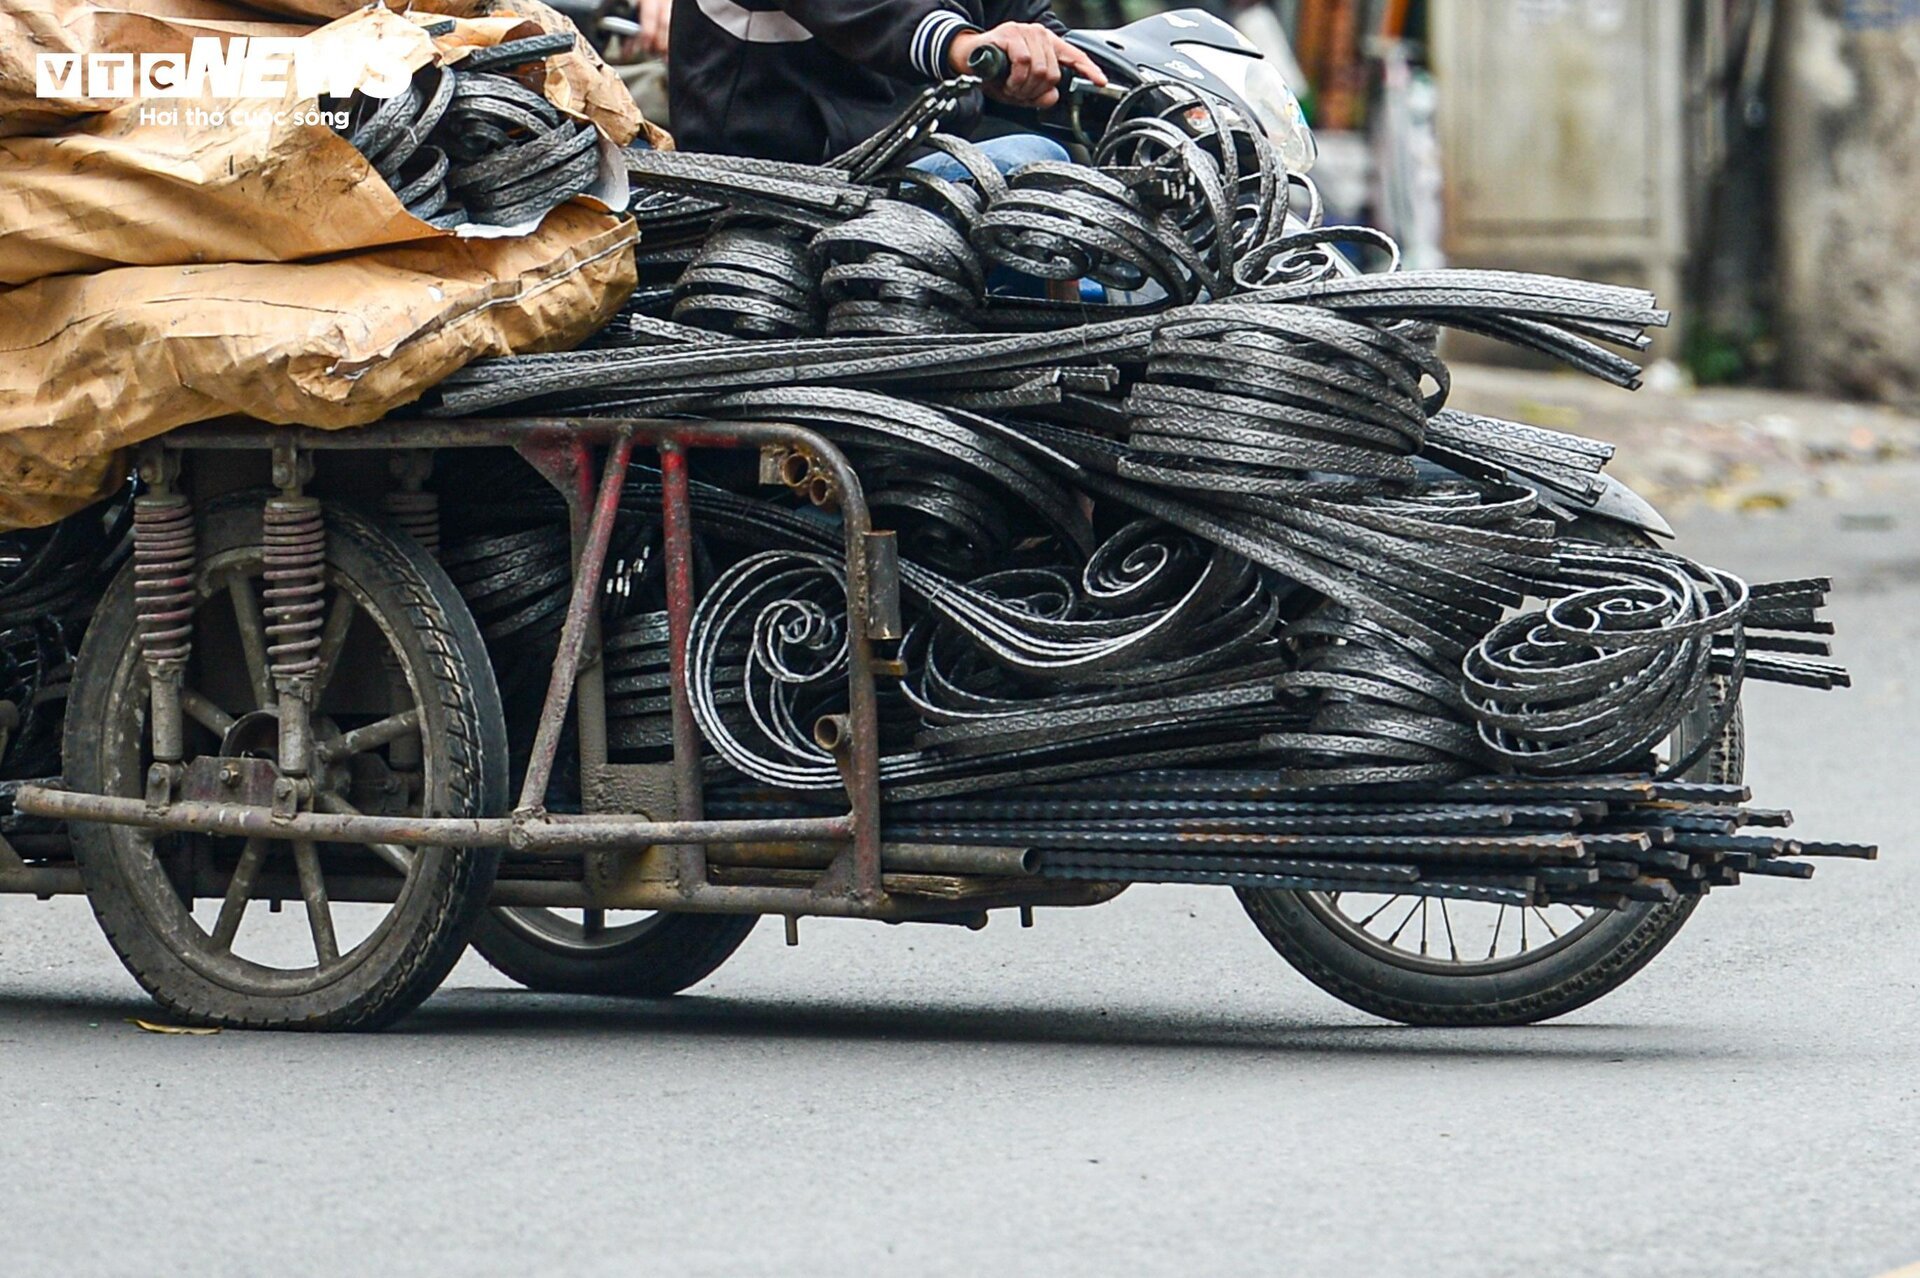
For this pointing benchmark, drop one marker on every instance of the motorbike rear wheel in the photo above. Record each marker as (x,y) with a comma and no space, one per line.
(1363,951)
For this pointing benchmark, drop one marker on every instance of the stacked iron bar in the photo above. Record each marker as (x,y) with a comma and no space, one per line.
(1599,841)
(1222,521)
(468,142)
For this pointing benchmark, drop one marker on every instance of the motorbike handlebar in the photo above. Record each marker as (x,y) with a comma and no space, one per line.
(989,62)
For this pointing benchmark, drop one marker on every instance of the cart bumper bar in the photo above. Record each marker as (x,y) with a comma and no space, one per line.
(547,833)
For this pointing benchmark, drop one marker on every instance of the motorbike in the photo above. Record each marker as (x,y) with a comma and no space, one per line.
(316,670)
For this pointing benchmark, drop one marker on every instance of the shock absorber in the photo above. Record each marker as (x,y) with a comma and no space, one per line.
(294,605)
(418,515)
(414,509)
(164,552)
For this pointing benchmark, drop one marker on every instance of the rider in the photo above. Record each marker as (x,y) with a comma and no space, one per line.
(804,80)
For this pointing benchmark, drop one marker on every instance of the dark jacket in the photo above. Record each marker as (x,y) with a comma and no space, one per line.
(803,80)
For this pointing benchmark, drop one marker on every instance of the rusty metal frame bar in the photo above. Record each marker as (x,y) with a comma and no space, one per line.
(588,575)
(43,881)
(851,886)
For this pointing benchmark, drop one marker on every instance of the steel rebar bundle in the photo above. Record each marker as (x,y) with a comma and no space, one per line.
(467,142)
(1598,841)
(1223,526)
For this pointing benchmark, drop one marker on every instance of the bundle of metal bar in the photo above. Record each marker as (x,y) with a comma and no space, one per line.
(804,194)
(1563,470)
(897,269)
(750,281)
(467,143)
(1203,170)
(1188,534)
(1593,841)
(1624,650)
(866,161)
(50,581)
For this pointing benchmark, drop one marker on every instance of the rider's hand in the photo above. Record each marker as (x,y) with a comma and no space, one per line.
(1035,56)
(654,17)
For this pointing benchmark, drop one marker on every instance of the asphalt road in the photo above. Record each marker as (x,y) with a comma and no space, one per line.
(1139,1088)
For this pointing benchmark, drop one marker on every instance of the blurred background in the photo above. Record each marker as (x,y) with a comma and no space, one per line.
(1754,162)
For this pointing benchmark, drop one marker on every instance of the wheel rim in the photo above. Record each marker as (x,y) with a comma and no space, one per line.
(1474,938)
(582,933)
(203,893)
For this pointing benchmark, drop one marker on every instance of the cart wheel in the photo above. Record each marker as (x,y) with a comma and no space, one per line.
(631,955)
(374,929)
(1432,961)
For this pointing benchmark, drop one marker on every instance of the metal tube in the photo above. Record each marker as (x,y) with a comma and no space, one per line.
(862,767)
(40,880)
(538,834)
(573,635)
(676,525)
(454,432)
(899,858)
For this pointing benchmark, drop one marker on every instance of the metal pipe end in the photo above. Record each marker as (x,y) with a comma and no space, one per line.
(832,732)
(795,469)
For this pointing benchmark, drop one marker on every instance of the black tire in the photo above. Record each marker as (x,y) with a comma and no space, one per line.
(405,599)
(654,957)
(1304,930)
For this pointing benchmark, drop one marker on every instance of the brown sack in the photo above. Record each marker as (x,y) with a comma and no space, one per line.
(169,182)
(578,81)
(29,28)
(90,364)
(174,181)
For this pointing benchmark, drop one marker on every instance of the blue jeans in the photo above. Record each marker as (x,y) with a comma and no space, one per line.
(1009,153)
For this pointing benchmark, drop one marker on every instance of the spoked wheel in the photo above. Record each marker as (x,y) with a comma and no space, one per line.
(406,721)
(620,953)
(1428,961)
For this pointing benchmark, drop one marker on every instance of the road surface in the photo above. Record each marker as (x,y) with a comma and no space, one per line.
(1140,1088)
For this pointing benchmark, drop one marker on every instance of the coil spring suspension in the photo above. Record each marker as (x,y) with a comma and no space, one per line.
(418,515)
(163,560)
(296,558)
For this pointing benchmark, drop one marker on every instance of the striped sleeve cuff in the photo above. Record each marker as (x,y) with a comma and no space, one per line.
(928,51)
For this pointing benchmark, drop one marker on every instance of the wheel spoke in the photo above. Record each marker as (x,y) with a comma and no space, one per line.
(1411,911)
(200,708)
(1382,910)
(253,636)
(1446,919)
(592,923)
(332,637)
(239,892)
(1498,921)
(313,888)
(397,856)
(374,735)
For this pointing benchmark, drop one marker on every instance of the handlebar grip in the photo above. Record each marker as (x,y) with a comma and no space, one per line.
(989,62)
